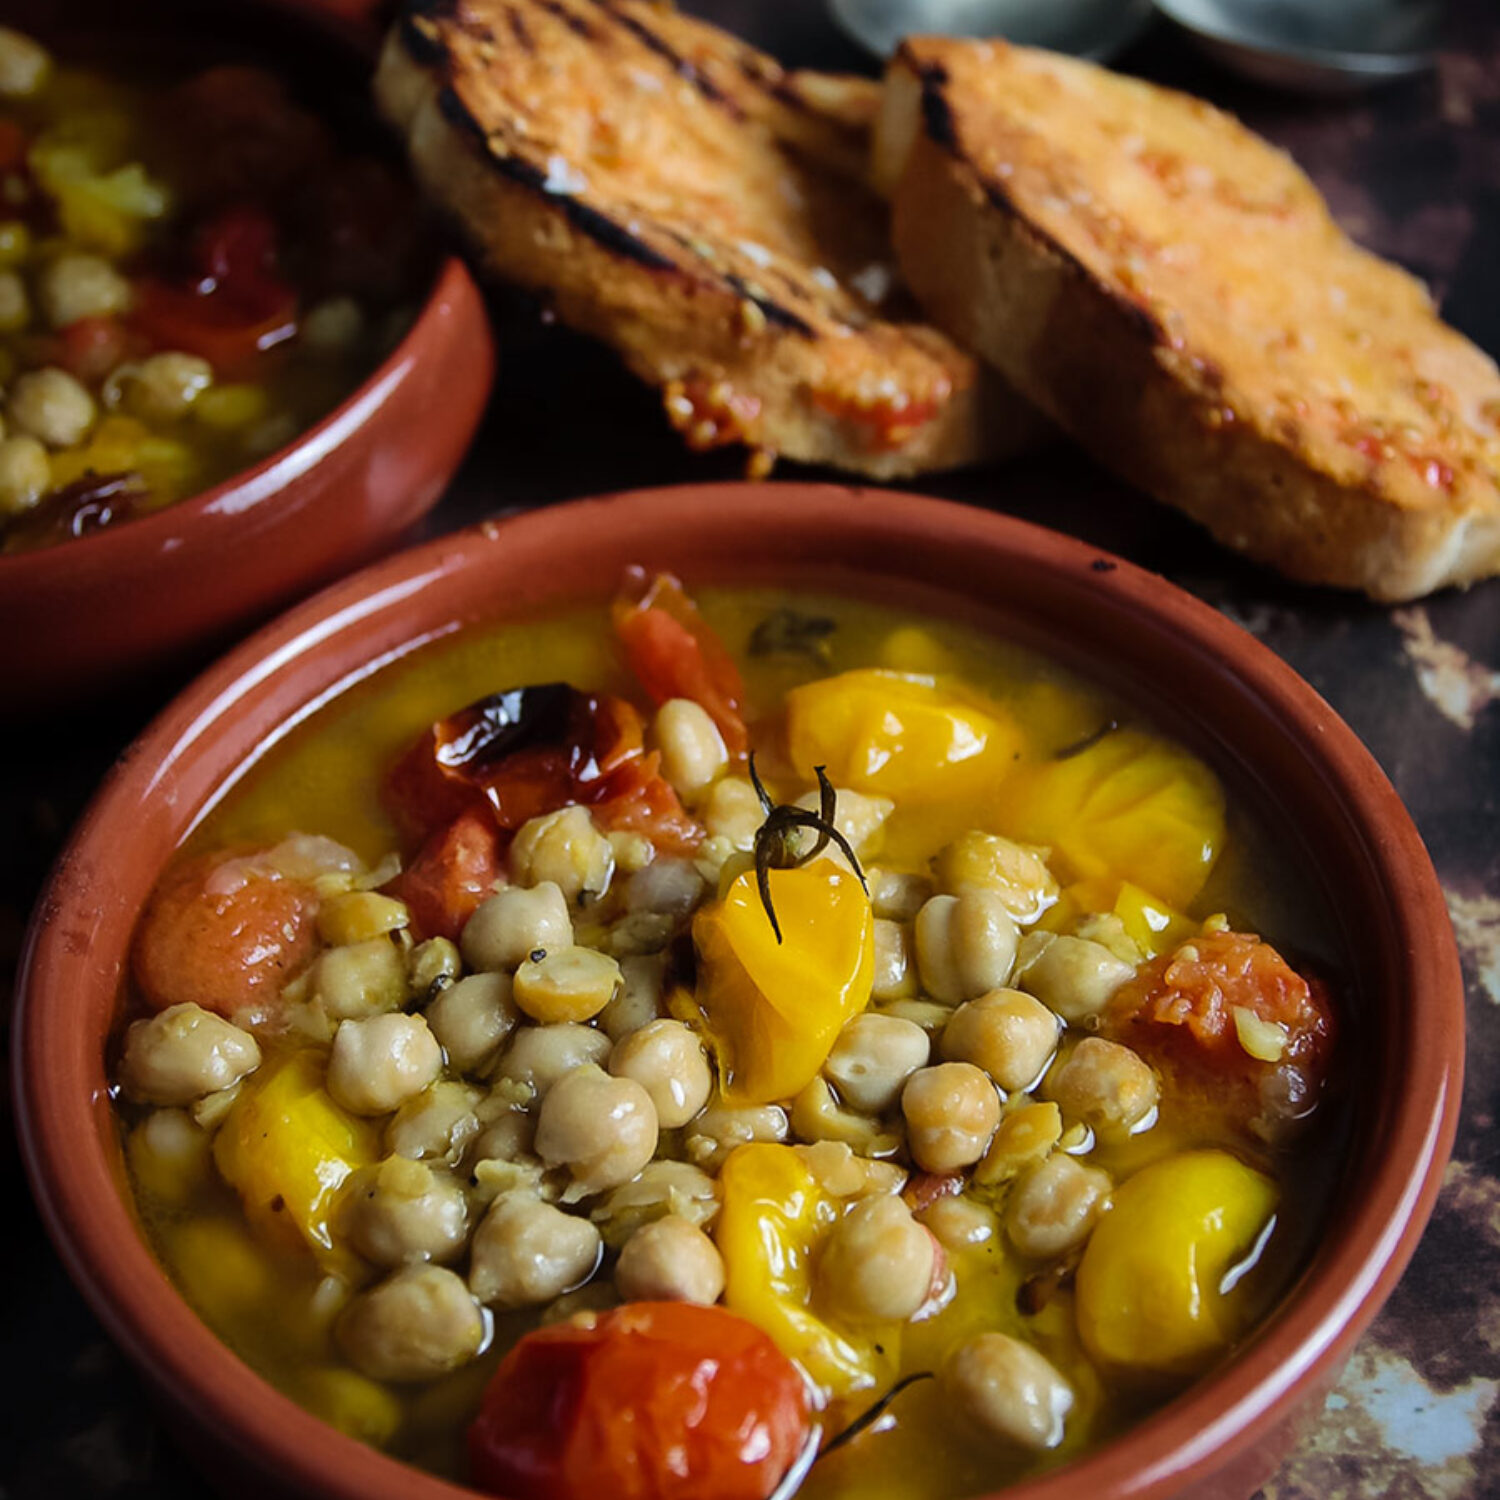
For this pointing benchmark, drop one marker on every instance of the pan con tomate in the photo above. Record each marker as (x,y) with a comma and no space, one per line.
(724,1051)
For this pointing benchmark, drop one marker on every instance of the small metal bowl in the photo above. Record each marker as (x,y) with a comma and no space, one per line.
(1096,29)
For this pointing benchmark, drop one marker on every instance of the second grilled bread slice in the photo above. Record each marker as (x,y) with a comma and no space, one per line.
(674,193)
(1175,294)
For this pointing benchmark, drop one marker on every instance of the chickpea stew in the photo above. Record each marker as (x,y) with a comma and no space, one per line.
(733,1048)
(192,272)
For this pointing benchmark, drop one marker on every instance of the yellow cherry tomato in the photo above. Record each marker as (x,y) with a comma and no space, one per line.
(1154,1291)
(771,1224)
(772,1011)
(1129,808)
(286,1146)
(898,735)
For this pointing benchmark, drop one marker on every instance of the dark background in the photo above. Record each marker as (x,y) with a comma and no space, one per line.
(1413,172)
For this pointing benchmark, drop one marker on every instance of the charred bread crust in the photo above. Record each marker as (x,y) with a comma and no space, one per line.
(1049,264)
(673,193)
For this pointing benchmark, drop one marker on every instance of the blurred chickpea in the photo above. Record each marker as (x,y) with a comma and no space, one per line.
(418,1324)
(721,1127)
(960,1223)
(332,326)
(472,1018)
(564,849)
(895,969)
(360,979)
(693,756)
(51,406)
(25,474)
(438,1123)
(1105,1085)
(951,1112)
(184,1053)
(15,305)
(670,1260)
(526,1252)
(873,1057)
(602,1129)
(966,944)
(379,1063)
(1052,1209)
(401,1212)
(539,1056)
(509,926)
(566,984)
(24,64)
(1009,1390)
(1009,1034)
(733,812)
(1071,975)
(79,285)
(877,1264)
(669,1062)
(163,387)
(639,997)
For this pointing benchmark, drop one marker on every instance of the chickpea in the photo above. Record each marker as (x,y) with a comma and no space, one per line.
(873,1057)
(51,406)
(733,812)
(1011,1035)
(895,971)
(360,979)
(418,1324)
(566,984)
(539,1056)
(817,1116)
(184,1053)
(15,305)
(672,887)
(669,1062)
(721,1127)
(965,944)
(1009,1390)
(163,387)
(1105,1085)
(693,756)
(1027,1134)
(79,285)
(439,1122)
(472,1018)
(332,326)
(1053,1207)
(987,862)
(25,474)
(639,998)
(505,1135)
(878,1264)
(662,1187)
(402,1212)
(897,897)
(844,1173)
(951,1112)
(1071,975)
(670,1260)
(527,1252)
(960,1223)
(170,1156)
(358,916)
(602,1129)
(513,923)
(381,1062)
(431,967)
(24,64)
(564,849)
(858,817)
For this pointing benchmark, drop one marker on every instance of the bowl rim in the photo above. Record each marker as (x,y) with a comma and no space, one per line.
(160,529)
(1218,1419)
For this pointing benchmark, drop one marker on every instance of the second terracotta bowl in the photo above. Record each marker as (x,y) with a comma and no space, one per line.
(1287,755)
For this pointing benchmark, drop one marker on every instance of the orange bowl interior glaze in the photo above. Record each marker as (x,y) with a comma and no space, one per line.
(1201,677)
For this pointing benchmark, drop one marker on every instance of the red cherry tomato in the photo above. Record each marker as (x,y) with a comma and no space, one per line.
(214,327)
(92,347)
(638,799)
(453,872)
(675,654)
(653,1401)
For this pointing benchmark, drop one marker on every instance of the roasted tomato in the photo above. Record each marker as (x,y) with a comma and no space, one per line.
(653,1401)
(453,872)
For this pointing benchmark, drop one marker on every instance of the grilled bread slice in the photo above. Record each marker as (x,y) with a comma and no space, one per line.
(1174,293)
(674,193)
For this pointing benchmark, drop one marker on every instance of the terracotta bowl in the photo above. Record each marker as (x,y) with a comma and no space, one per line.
(337,496)
(1272,738)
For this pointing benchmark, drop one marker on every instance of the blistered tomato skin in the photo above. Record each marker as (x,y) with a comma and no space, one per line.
(653,1401)
(224,941)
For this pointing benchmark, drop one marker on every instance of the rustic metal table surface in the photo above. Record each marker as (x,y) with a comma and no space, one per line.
(1415,173)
